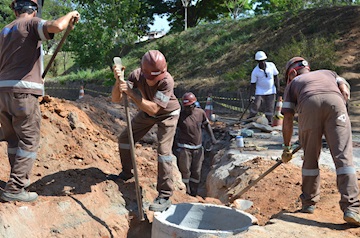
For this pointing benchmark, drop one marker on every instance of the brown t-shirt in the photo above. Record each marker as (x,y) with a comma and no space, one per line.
(20,56)
(307,85)
(190,127)
(161,93)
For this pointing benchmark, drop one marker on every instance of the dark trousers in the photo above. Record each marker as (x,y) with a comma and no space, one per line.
(319,115)
(141,124)
(190,163)
(267,102)
(20,120)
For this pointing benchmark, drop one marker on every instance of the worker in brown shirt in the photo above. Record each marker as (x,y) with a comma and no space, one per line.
(319,97)
(20,86)
(189,142)
(158,105)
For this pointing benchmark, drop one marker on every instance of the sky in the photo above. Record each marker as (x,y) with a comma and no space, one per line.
(160,24)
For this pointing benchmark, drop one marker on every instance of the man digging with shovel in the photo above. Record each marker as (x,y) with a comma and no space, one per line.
(20,86)
(158,105)
(320,98)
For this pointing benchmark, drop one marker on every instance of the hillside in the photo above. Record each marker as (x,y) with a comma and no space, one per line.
(225,51)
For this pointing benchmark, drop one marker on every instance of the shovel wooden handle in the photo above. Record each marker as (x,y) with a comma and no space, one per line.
(67,32)
(118,63)
(236,196)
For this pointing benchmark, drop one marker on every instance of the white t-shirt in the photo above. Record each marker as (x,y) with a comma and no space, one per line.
(264,85)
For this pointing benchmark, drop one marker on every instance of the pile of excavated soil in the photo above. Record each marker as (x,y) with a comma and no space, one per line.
(76,199)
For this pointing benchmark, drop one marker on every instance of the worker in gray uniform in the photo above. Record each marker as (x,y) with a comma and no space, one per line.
(319,97)
(189,142)
(20,86)
(158,106)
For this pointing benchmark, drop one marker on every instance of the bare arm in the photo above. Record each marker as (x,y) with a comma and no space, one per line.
(144,105)
(209,130)
(147,106)
(277,83)
(116,95)
(287,128)
(344,91)
(62,23)
(252,89)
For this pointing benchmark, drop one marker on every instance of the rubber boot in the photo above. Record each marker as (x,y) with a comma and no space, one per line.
(187,186)
(193,188)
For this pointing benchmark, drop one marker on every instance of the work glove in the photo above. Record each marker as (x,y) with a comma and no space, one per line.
(287,155)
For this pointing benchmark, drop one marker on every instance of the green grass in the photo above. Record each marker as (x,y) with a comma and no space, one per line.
(222,53)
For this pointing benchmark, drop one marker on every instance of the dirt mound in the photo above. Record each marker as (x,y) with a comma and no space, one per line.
(79,150)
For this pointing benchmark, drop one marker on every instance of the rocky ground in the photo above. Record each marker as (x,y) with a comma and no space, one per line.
(76,199)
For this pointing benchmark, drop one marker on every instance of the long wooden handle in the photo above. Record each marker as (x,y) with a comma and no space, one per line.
(132,152)
(117,61)
(67,32)
(236,196)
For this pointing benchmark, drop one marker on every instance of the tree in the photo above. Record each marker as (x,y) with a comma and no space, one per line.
(197,11)
(6,13)
(235,7)
(105,25)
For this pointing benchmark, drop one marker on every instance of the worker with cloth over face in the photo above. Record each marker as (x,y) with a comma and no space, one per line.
(189,142)
(319,97)
(20,86)
(158,105)
(264,86)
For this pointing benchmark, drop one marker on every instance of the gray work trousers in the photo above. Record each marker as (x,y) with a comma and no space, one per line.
(268,102)
(190,163)
(20,120)
(319,115)
(141,124)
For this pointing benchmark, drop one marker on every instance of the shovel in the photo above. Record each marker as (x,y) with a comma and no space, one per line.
(67,32)
(117,62)
(247,107)
(236,196)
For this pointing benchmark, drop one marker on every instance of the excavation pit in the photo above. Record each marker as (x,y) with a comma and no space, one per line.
(197,219)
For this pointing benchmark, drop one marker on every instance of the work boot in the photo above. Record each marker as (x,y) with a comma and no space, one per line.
(352,218)
(308,209)
(193,188)
(187,186)
(27,184)
(23,196)
(123,176)
(160,204)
